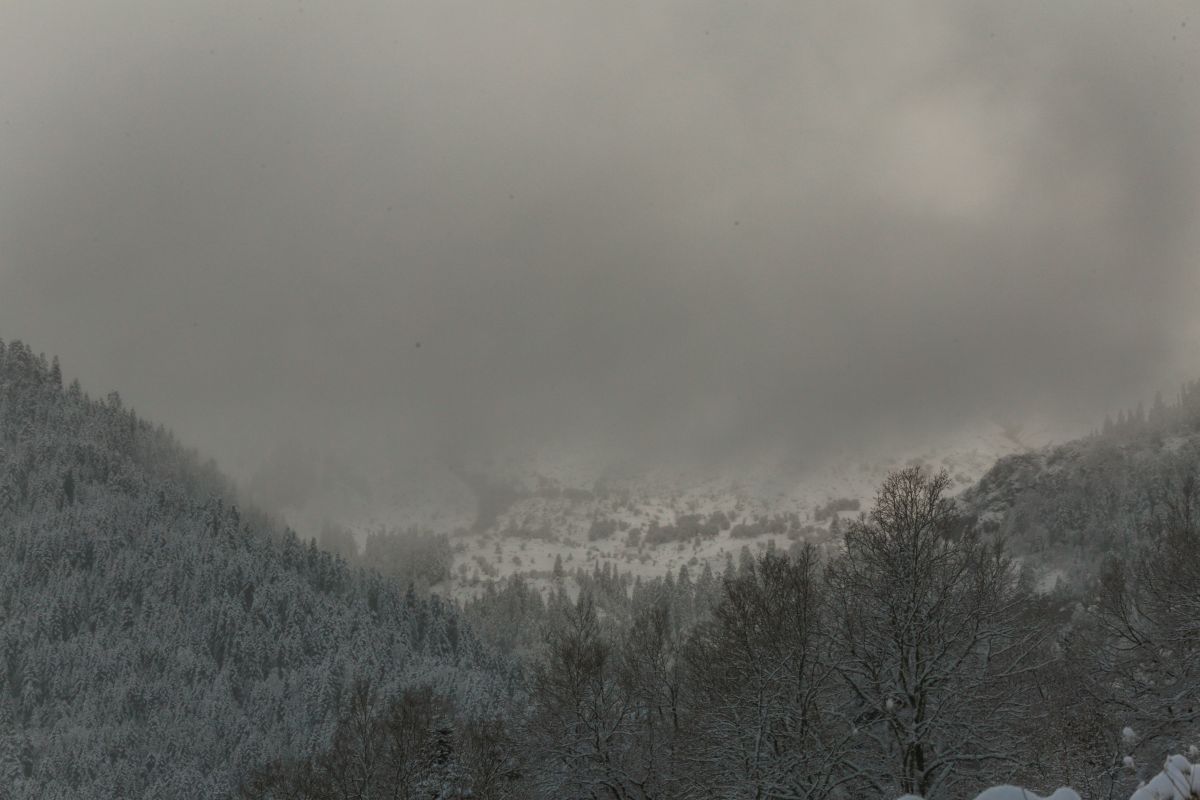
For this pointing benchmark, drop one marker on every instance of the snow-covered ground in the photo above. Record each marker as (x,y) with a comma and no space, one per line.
(520,515)
(1179,780)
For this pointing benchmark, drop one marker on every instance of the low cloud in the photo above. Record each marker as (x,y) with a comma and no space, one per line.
(665,232)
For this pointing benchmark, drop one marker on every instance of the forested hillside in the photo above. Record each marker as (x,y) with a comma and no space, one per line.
(156,641)
(924,653)
(919,659)
(1074,504)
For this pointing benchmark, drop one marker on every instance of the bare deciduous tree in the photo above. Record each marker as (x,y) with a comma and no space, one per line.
(1150,608)
(928,627)
(762,686)
(582,727)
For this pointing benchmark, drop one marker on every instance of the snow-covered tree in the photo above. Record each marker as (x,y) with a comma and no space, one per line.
(931,645)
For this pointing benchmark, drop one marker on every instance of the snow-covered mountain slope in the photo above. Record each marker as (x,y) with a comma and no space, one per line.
(1076,503)
(1073,504)
(161,639)
(523,515)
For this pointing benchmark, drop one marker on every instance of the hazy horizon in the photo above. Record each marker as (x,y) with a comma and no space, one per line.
(670,233)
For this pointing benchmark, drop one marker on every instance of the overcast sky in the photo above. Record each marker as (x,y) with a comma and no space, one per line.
(666,230)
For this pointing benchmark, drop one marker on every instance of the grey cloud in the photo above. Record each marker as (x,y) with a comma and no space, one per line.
(665,231)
